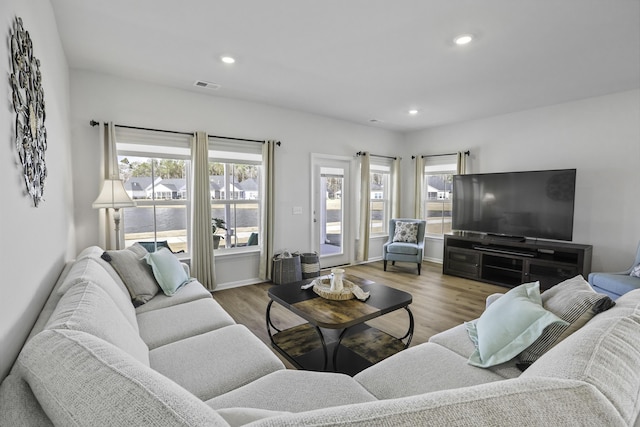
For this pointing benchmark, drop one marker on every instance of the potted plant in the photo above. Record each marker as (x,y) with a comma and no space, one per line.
(217,223)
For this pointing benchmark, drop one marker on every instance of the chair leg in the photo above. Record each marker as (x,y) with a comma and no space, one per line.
(385,265)
(419,265)
(393,263)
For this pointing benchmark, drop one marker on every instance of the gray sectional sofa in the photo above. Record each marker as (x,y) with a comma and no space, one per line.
(95,359)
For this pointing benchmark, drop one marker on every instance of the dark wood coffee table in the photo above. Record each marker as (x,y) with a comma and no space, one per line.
(337,328)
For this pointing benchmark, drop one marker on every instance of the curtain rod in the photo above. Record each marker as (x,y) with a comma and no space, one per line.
(362,153)
(466,153)
(95,123)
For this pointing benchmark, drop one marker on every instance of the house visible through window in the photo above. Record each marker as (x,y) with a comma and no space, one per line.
(437,191)
(235,173)
(380,196)
(155,169)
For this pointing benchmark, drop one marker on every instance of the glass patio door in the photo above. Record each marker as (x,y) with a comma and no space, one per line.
(331,211)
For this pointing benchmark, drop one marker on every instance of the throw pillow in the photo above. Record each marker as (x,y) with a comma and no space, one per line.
(575,302)
(135,273)
(635,271)
(406,232)
(509,325)
(167,270)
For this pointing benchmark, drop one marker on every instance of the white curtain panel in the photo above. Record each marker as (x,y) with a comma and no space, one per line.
(395,184)
(106,230)
(364,231)
(202,261)
(267,216)
(418,188)
(462,163)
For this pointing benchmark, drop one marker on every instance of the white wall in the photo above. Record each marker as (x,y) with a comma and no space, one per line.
(600,137)
(35,241)
(135,103)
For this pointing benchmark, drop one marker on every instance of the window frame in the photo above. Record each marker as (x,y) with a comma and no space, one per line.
(437,165)
(381,166)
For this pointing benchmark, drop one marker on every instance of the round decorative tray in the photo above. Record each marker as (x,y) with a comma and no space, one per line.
(322,287)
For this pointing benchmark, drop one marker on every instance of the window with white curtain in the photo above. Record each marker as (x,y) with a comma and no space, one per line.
(155,168)
(380,170)
(235,174)
(437,192)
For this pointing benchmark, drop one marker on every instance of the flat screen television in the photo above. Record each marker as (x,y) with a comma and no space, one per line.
(534,204)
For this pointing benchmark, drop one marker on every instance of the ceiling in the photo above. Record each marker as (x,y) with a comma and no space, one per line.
(365,61)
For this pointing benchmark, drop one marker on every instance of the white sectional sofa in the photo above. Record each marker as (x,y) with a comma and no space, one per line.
(94,359)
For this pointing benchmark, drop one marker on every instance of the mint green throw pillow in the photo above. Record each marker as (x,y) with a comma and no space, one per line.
(509,325)
(167,270)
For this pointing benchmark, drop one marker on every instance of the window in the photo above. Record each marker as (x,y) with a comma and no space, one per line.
(380,197)
(437,190)
(235,174)
(155,167)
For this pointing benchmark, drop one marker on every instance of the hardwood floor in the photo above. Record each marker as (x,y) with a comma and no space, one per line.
(440,302)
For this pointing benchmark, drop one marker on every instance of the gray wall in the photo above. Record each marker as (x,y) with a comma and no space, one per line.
(35,241)
(600,137)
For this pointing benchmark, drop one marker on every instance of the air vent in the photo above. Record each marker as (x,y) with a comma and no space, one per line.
(207,85)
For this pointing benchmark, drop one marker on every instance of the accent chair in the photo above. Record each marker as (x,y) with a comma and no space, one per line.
(404,251)
(616,284)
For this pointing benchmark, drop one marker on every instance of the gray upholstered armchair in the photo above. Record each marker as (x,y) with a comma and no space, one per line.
(616,284)
(404,251)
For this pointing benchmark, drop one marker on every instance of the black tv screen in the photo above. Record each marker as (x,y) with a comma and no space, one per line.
(535,204)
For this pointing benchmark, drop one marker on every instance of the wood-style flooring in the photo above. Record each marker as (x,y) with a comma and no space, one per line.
(440,302)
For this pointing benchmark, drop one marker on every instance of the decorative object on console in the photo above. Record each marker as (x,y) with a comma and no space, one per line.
(28,104)
(336,279)
(113,195)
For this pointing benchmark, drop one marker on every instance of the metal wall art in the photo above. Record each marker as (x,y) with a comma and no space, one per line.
(28,103)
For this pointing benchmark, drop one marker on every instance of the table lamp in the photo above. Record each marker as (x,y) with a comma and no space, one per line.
(113,195)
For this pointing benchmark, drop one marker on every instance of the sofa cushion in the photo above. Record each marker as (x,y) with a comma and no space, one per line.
(421,369)
(295,391)
(457,340)
(134,272)
(603,353)
(167,270)
(170,324)
(509,325)
(88,269)
(80,379)
(216,362)
(531,402)
(87,307)
(575,302)
(190,292)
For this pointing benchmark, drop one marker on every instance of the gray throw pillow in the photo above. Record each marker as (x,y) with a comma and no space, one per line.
(575,302)
(134,272)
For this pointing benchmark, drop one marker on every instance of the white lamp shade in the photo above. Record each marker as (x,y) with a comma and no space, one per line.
(113,195)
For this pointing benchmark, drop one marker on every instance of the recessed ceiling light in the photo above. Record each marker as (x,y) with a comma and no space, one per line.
(413,112)
(463,39)
(227,59)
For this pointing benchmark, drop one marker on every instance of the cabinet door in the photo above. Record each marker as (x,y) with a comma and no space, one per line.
(549,274)
(462,262)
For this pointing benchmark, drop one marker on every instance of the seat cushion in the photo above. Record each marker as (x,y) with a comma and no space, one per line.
(216,362)
(425,368)
(402,248)
(295,391)
(80,379)
(616,284)
(190,292)
(170,324)
(457,340)
(87,307)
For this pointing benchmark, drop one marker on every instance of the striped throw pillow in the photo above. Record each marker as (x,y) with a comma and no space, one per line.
(575,302)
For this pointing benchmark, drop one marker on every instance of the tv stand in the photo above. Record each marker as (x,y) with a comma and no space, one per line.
(510,263)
